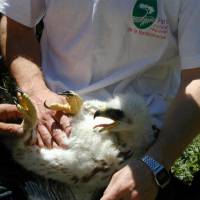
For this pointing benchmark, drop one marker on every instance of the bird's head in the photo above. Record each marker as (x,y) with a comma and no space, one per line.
(128,116)
(111,118)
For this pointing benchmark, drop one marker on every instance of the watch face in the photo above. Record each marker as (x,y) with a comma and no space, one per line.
(162,177)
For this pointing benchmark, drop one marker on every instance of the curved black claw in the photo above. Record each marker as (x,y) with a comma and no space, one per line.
(67,93)
(15,101)
(19,90)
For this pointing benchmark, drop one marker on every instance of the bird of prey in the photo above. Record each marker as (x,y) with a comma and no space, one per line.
(106,135)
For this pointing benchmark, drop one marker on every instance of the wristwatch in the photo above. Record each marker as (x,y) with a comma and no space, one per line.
(161,175)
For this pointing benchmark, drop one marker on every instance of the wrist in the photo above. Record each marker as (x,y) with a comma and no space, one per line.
(146,173)
(27,75)
(161,156)
(34,87)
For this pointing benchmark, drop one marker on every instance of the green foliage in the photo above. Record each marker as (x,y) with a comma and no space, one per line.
(189,163)
(7,86)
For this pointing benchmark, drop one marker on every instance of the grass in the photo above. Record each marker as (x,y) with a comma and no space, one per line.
(188,164)
(7,86)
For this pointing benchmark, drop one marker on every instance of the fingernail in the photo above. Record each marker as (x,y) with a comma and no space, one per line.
(68,131)
(20,131)
(49,144)
(65,143)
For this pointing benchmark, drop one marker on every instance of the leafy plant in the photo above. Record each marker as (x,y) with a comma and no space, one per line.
(7,86)
(189,163)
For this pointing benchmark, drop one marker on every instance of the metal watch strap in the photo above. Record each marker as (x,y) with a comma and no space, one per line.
(156,168)
(152,164)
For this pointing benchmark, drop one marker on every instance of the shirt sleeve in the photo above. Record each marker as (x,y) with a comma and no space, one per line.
(26,12)
(189,34)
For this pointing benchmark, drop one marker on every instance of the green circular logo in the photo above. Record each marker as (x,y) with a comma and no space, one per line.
(144,13)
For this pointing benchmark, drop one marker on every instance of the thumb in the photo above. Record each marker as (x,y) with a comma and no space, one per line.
(11,129)
(9,112)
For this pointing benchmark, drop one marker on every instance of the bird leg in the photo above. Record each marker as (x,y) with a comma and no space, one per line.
(72,107)
(29,112)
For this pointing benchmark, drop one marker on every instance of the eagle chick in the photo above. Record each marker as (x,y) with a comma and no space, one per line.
(105,136)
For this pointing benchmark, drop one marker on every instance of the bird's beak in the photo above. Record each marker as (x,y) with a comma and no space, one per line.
(112,117)
(99,113)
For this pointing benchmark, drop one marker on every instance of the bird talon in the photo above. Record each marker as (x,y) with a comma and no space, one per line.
(26,107)
(65,108)
(19,90)
(68,93)
(28,110)
(73,105)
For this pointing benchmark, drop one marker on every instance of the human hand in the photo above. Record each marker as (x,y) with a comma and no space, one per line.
(8,113)
(53,127)
(133,182)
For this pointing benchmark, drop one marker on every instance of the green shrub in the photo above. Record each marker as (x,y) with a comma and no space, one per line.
(189,163)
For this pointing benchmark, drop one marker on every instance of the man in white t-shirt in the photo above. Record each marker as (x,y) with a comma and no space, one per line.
(101,48)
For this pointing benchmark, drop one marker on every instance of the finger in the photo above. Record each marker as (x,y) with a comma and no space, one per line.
(111,185)
(39,142)
(127,197)
(8,107)
(134,195)
(113,193)
(59,136)
(11,129)
(55,145)
(116,190)
(45,135)
(9,112)
(64,121)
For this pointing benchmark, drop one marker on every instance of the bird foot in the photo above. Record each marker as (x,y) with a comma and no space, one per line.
(26,107)
(72,107)
(28,110)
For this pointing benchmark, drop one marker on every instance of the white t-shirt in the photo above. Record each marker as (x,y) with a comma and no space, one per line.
(103,47)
